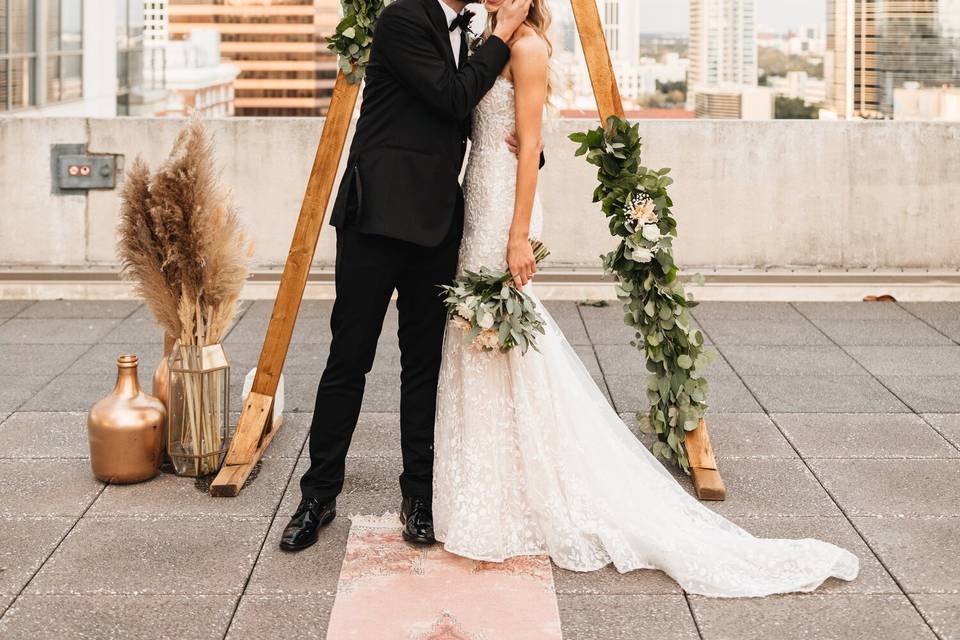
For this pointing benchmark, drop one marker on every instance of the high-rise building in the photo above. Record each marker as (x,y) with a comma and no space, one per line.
(72,58)
(621,26)
(155,21)
(875,47)
(285,66)
(723,43)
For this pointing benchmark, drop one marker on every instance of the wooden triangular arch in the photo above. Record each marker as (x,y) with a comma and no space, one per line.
(255,428)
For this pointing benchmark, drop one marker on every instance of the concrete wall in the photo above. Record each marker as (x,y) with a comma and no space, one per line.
(750,195)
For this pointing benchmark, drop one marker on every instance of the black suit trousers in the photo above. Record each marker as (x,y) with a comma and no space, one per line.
(368,270)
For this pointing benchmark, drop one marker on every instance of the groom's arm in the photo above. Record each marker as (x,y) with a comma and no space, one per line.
(406,47)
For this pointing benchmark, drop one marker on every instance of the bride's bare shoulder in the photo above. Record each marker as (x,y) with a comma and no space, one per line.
(527,42)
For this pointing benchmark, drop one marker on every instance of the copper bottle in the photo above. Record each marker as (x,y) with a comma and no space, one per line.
(126,430)
(161,383)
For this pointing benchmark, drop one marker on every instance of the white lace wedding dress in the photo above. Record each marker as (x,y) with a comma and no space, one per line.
(531,459)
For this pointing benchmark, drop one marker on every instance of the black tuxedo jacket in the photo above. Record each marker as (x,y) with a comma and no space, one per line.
(402,176)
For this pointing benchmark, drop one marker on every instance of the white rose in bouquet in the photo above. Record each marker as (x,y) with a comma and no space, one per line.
(641,254)
(651,232)
(465,312)
(484,318)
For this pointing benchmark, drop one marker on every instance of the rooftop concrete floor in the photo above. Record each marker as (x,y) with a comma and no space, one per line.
(834,420)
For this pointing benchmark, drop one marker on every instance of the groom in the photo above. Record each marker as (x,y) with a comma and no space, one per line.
(399,220)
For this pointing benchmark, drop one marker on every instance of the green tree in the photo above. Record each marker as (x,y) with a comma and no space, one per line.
(794,109)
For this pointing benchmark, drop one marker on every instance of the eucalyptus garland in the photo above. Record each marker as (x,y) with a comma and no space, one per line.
(635,201)
(353,38)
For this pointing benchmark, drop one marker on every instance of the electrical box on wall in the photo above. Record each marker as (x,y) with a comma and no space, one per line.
(76,170)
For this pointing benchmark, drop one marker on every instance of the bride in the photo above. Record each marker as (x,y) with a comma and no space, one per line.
(530,459)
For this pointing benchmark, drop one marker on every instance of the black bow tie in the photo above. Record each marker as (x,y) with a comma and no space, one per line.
(463,21)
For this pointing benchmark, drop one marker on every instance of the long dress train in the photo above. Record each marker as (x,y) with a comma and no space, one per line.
(531,459)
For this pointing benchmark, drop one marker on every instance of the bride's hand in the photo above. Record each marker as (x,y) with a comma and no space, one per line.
(520,260)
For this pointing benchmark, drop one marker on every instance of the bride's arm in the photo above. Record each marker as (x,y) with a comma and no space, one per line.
(529,66)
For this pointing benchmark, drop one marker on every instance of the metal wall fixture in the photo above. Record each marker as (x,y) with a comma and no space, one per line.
(73,169)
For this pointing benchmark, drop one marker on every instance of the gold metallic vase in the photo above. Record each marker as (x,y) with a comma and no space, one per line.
(126,430)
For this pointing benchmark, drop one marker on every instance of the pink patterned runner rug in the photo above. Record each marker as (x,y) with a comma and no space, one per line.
(390,590)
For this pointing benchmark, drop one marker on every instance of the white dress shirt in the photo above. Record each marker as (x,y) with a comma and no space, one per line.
(456,33)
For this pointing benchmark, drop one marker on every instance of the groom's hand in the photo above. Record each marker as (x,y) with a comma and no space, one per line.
(513,143)
(509,18)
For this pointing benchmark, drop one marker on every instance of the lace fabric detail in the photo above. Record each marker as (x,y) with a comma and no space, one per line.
(531,459)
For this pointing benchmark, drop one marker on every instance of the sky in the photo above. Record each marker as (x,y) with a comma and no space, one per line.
(778,15)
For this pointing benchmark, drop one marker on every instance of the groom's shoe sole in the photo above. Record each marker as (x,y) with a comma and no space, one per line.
(312,541)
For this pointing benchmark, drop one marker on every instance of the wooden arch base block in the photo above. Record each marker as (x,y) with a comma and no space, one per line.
(703,465)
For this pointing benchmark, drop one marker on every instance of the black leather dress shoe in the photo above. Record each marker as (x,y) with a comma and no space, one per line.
(304,527)
(416,514)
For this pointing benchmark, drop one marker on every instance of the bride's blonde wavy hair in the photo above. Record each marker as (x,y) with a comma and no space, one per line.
(538,19)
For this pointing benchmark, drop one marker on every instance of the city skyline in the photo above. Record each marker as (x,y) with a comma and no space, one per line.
(672,16)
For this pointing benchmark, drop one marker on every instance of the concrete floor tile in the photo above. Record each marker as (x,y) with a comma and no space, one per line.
(927,394)
(724,332)
(170,495)
(921,553)
(906,331)
(76,391)
(805,617)
(55,330)
(947,424)
(371,486)
(863,435)
(39,359)
(139,328)
(567,316)
(731,310)
(46,487)
(377,435)
(80,309)
(790,360)
(771,487)
(291,439)
(914,487)
(101,360)
(271,617)
(312,571)
(823,394)
(836,530)
(153,556)
(127,617)
(44,435)
(747,435)
(627,360)
(10,308)
(909,361)
(626,617)
(16,390)
(851,311)
(605,325)
(308,309)
(727,394)
(609,582)
(24,544)
(942,612)
(933,311)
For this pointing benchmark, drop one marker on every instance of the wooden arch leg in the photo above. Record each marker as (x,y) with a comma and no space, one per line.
(255,429)
(703,464)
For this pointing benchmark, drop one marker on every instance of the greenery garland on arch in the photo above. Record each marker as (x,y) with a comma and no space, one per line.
(638,208)
(353,38)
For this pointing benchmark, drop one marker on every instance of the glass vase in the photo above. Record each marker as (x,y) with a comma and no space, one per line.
(198,400)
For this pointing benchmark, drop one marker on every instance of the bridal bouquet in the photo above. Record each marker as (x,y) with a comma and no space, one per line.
(492,313)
